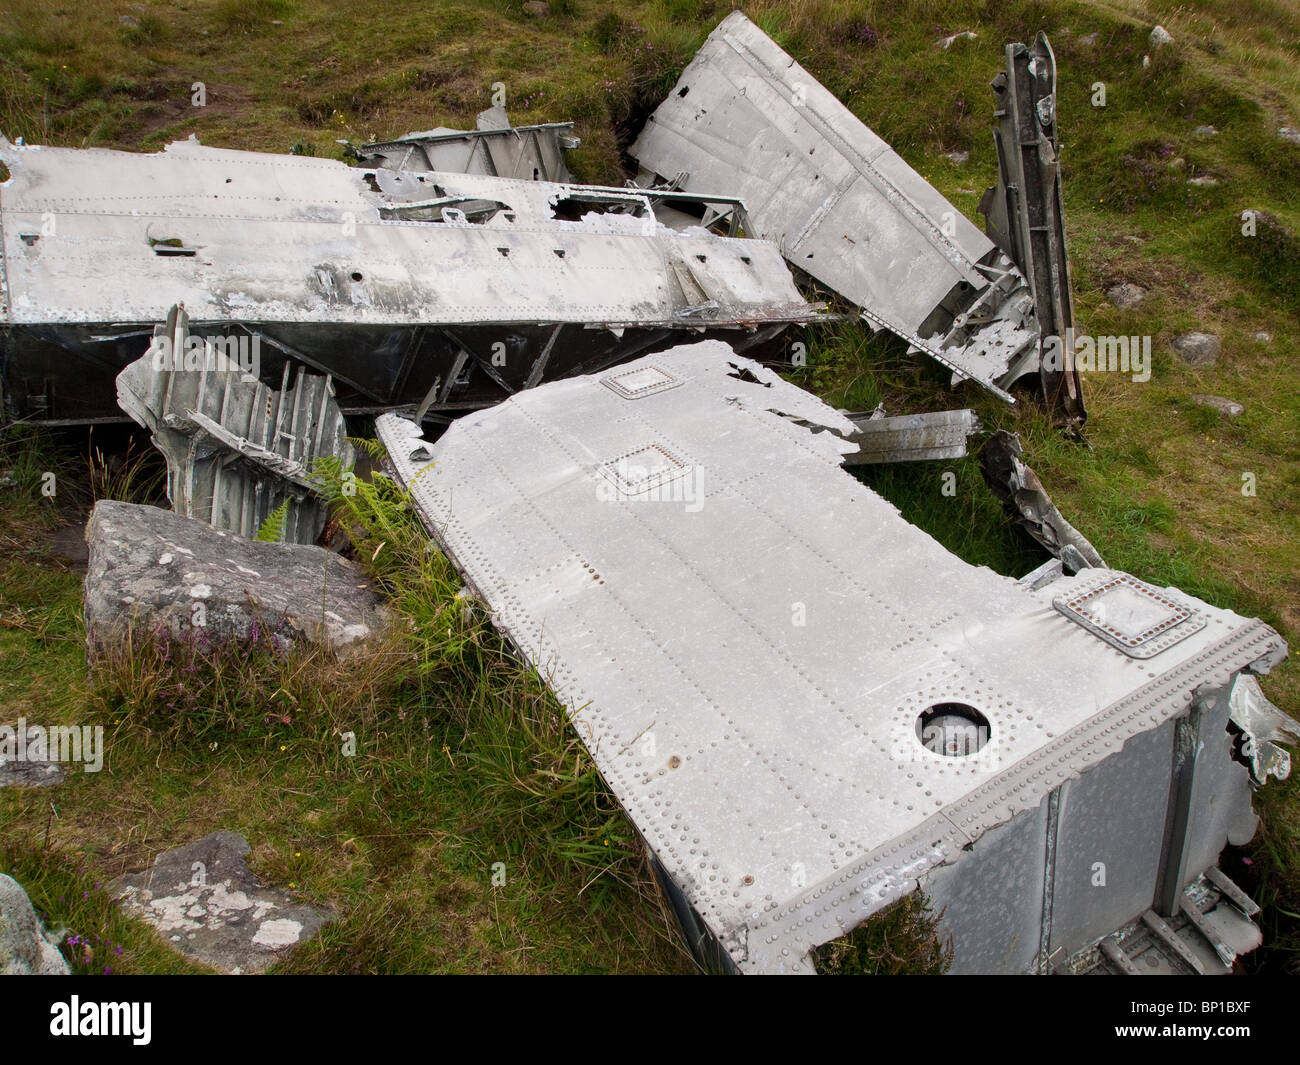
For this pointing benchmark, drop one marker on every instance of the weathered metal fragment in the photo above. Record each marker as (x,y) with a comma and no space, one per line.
(973,738)
(1024,212)
(910,437)
(1263,727)
(236,450)
(844,207)
(1027,501)
(449,291)
(1212,927)
(495,148)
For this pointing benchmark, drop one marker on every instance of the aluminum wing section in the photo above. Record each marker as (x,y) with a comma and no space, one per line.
(745,118)
(246,236)
(749,639)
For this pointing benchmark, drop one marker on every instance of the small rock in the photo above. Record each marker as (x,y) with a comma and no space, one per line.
(537,7)
(1205,181)
(1146,61)
(1125,295)
(1206,131)
(129,21)
(957,157)
(149,570)
(1088,39)
(204,899)
(1289,134)
(1160,37)
(1198,349)
(1263,338)
(948,42)
(26,949)
(1227,407)
(28,765)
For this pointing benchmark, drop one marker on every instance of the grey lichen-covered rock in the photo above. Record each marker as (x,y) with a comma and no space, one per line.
(1198,349)
(154,571)
(208,905)
(26,949)
(1125,295)
(27,772)
(1229,407)
(1160,37)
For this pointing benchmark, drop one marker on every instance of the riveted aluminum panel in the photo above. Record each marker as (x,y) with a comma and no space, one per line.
(1109,840)
(777,629)
(279,238)
(845,208)
(991,898)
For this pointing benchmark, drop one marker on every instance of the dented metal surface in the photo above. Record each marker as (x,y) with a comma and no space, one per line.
(1024,212)
(911,437)
(236,450)
(1027,502)
(495,148)
(788,788)
(399,285)
(842,204)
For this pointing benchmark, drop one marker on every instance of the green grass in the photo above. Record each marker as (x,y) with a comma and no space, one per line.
(467,762)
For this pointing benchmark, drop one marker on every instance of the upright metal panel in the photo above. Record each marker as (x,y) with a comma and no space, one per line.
(990,902)
(845,208)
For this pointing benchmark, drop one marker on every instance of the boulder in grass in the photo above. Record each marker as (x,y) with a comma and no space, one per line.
(1198,349)
(206,903)
(152,571)
(26,949)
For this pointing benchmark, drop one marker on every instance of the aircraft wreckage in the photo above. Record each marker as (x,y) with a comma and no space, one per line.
(835,710)
(792,770)
(848,211)
(447,272)
(438,291)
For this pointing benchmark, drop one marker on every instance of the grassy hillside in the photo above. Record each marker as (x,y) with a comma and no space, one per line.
(402,841)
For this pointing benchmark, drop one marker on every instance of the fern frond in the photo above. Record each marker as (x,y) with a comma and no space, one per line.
(272,530)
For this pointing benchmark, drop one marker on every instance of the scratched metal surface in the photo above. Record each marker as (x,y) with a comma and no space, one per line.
(651,538)
(745,118)
(282,238)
